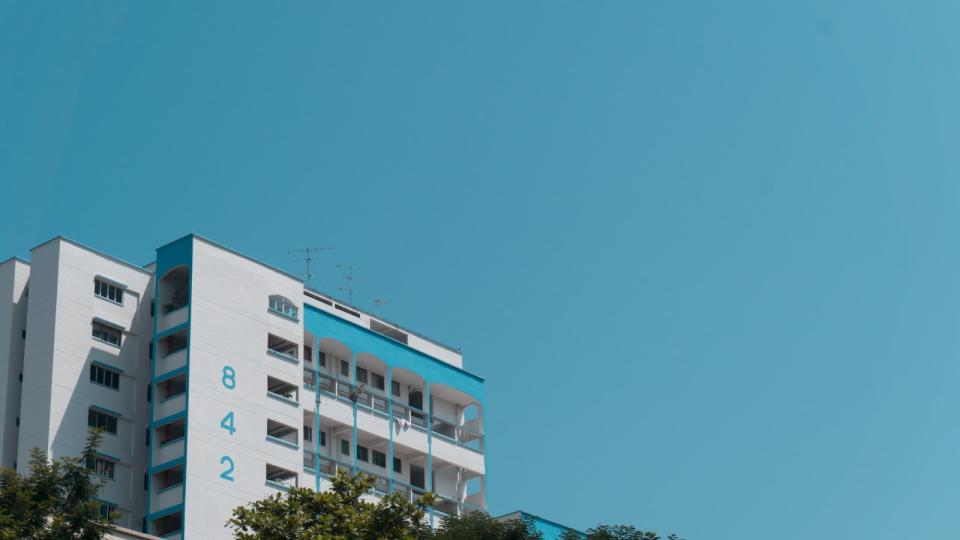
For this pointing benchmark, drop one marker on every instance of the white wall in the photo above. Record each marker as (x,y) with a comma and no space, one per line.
(13,321)
(57,391)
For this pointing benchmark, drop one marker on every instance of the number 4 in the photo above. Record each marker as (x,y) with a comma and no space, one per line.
(227,423)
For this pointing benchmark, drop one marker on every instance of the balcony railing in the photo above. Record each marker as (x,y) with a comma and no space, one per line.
(379,404)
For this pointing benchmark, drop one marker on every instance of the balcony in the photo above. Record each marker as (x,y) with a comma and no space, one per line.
(172,298)
(283,349)
(460,435)
(283,434)
(171,352)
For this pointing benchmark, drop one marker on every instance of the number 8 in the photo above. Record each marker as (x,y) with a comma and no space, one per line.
(229,378)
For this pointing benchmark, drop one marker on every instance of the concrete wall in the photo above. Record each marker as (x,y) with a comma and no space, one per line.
(14,275)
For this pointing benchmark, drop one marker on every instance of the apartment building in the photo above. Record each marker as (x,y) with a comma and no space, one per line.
(219,380)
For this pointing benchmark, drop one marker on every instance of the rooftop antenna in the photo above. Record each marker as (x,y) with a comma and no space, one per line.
(348,286)
(307,255)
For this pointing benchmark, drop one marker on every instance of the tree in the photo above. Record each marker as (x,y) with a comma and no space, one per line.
(56,500)
(614,532)
(341,512)
(479,526)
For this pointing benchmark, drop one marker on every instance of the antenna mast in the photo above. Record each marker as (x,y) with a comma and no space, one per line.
(307,255)
(348,287)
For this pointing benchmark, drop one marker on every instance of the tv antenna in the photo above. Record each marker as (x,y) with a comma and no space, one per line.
(307,255)
(348,286)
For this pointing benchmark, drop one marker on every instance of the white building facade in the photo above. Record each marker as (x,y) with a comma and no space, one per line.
(219,380)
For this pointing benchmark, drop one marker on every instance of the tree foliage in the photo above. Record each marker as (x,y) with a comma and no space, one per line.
(341,512)
(478,526)
(615,532)
(56,500)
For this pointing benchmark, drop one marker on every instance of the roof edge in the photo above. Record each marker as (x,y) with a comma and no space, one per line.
(94,251)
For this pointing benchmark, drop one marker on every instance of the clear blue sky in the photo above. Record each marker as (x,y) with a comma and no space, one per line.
(705,253)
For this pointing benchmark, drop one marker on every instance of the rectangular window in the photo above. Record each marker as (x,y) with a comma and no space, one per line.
(395,388)
(363,454)
(323,438)
(108,291)
(345,447)
(361,375)
(103,467)
(307,433)
(104,376)
(344,368)
(106,509)
(378,381)
(379,459)
(397,465)
(106,333)
(100,419)
(323,359)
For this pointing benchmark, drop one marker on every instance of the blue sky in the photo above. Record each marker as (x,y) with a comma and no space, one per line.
(705,253)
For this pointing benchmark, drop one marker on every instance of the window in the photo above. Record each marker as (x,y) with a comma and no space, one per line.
(103,467)
(100,419)
(106,509)
(323,359)
(395,388)
(344,368)
(361,375)
(282,433)
(378,381)
(283,306)
(108,291)
(307,433)
(169,478)
(283,347)
(379,459)
(345,447)
(282,389)
(362,453)
(281,478)
(323,438)
(397,465)
(104,376)
(107,334)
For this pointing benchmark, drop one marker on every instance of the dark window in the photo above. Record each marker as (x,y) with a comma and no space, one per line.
(379,459)
(104,376)
(99,419)
(395,388)
(345,447)
(362,453)
(106,333)
(307,433)
(150,351)
(323,438)
(153,308)
(149,392)
(108,291)
(361,375)
(323,360)
(397,465)
(104,467)
(106,509)
(345,368)
(378,381)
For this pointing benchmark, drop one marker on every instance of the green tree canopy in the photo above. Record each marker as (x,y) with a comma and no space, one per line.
(341,512)
(478,526)
(56,500)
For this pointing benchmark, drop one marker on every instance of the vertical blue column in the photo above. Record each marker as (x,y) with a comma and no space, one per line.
(355,468)
(316,411)
(389,390)
(429,412)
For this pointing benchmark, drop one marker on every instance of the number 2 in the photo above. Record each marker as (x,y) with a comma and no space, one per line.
(227,474)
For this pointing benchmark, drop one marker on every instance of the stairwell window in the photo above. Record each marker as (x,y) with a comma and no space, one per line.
(100,419)
(107,291)
(103,376)
(284,307)
(103,467)
(102,332)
